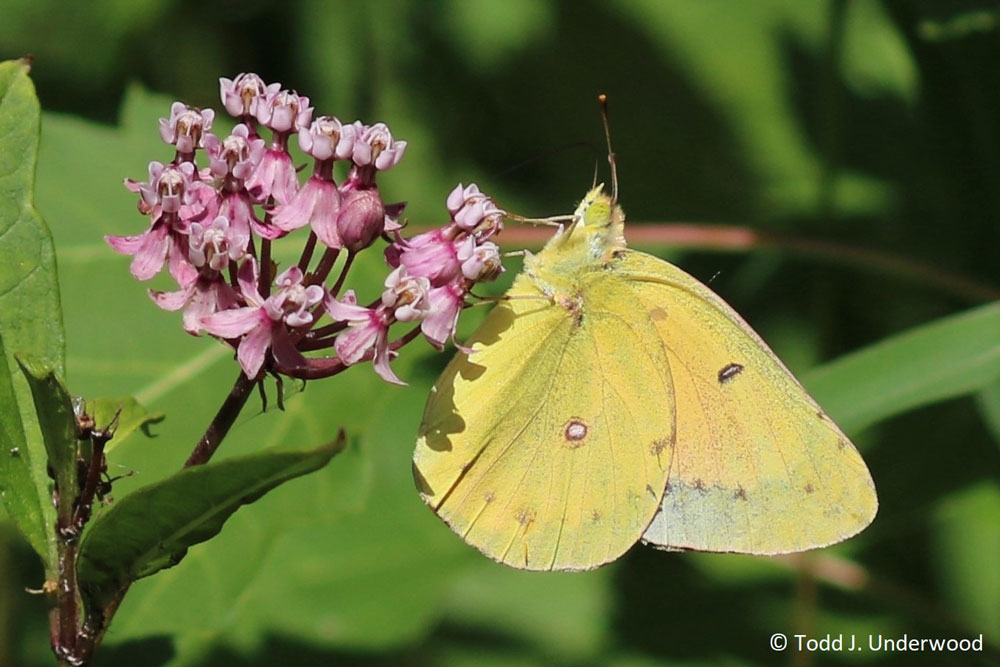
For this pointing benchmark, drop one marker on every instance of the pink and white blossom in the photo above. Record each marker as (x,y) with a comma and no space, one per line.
(240,95)
(263,324)
(236,156)
(328,139)
(375,146)
(214,245)
(403,300)
(283,111)
(185,127)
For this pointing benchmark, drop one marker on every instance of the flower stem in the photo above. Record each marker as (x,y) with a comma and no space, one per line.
(223,421)
(326,263)
(343,273)
(307,252)
(264,281)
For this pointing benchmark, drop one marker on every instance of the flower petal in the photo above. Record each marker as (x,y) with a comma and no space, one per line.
(253,350)
(234,323)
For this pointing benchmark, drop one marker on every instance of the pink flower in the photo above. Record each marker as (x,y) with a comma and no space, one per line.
(171,191)
(328,139)
(317,203)
(446,304)
(169,187)
(236,156)
(240,95)
(433,255)
(481,262)
(215,245)
(274,177)
(263,324)
(207,295)
(469,207)
(185,127)
(374,146)
(283,111)
(403,300)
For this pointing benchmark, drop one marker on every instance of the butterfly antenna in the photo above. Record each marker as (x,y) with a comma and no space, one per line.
(603,99)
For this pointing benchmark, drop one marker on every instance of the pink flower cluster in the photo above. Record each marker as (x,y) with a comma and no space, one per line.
(213,227)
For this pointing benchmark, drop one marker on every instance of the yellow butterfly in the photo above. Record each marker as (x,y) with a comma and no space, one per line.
(616,398)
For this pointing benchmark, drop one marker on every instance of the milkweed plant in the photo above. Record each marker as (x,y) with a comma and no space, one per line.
(210,216)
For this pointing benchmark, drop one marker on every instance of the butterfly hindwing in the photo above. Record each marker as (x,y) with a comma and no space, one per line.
(757,467)
(548,447)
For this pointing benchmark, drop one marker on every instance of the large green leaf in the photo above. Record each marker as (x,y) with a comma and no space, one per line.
(30,315)
(54,410)
(23,494)
(153,528)
(951,357)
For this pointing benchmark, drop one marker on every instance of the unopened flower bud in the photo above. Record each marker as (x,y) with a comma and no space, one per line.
(361,219)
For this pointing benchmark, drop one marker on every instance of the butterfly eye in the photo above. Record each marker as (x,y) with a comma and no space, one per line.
(598,214)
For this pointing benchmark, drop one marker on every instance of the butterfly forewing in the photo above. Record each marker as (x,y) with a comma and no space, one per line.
(557,454)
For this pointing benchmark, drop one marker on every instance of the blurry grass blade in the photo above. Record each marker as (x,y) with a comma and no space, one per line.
(54,410)
(951,357)
(23,487)
(966,541)
(152,528)
(988,401)
(133,416)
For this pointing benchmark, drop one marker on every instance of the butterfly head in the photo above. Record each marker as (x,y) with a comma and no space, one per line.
(598,225)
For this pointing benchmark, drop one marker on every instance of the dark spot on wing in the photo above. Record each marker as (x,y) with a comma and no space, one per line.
(651,491)
(741,493)
(700,486)
(729,371)
(489,497)
(525,517)
(575,432)
(595,516)
(809,488)
(658,314)
(658,445)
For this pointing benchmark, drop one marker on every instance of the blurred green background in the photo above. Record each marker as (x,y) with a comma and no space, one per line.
(874,125)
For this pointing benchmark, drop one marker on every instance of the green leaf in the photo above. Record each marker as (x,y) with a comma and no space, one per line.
(30,316)
(951,357)
(153,528)
(54,410)
(23,498)
(131,417)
